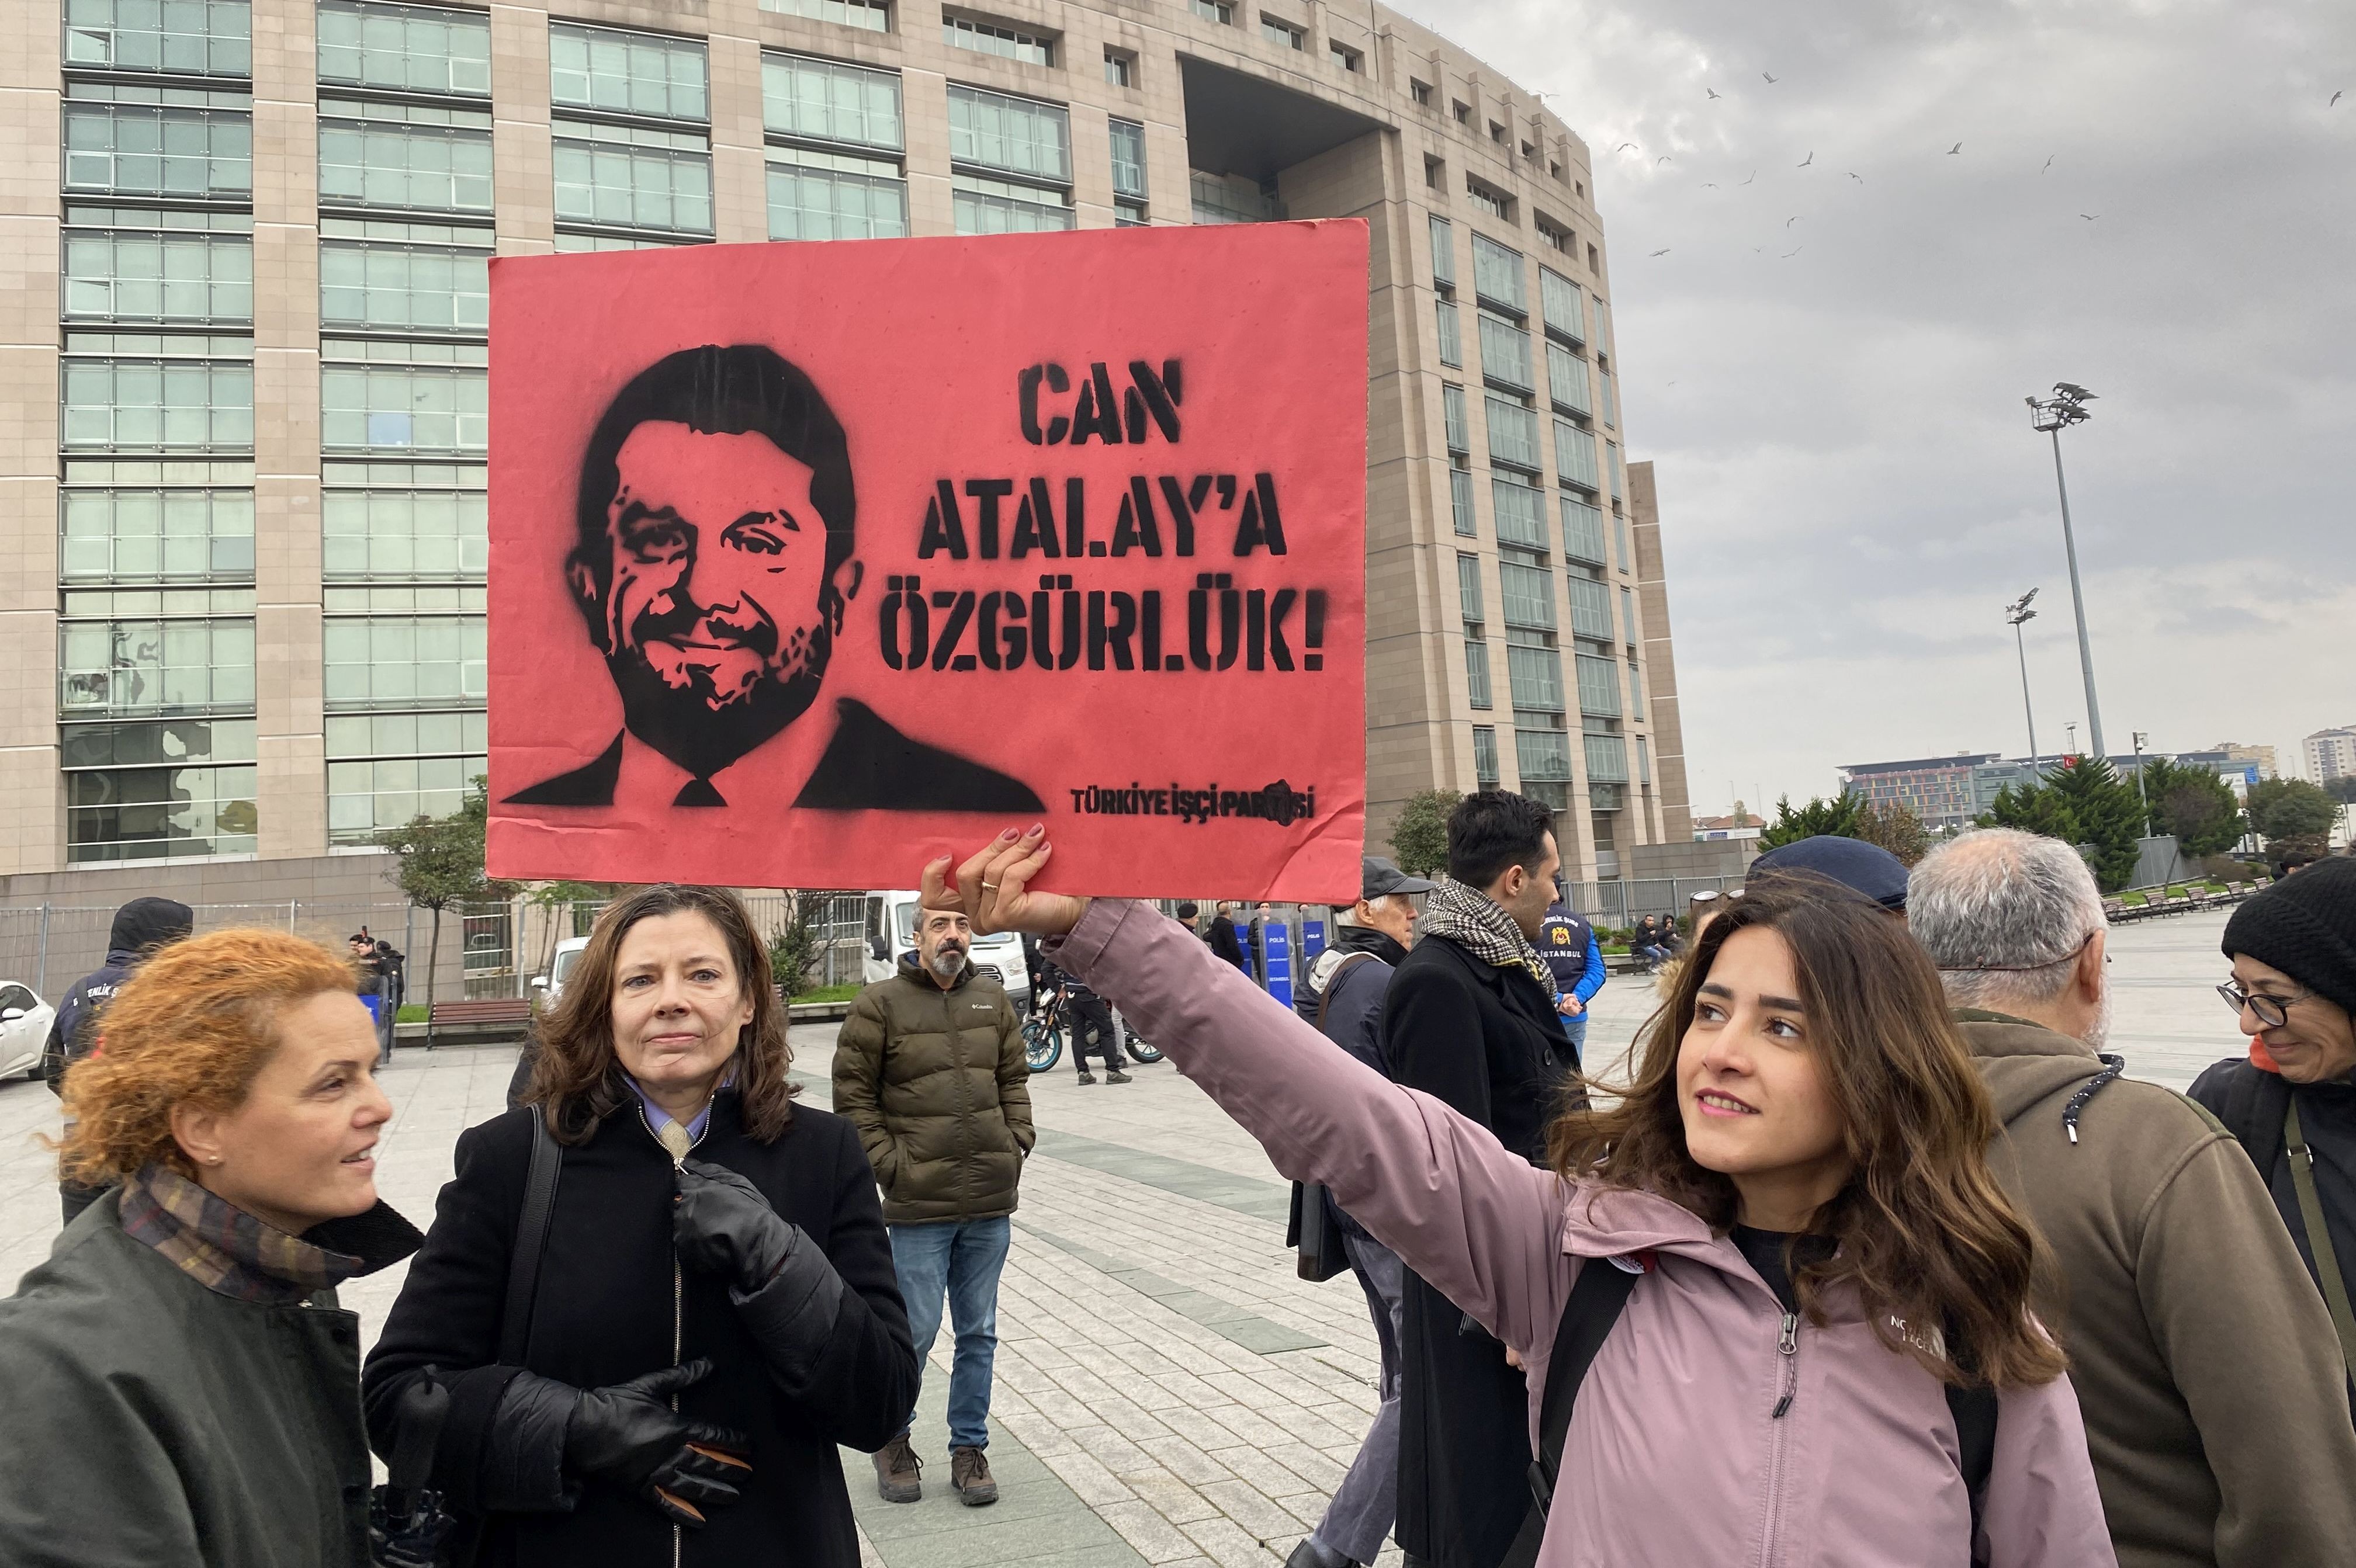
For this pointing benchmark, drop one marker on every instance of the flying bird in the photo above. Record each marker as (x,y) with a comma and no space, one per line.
(1792,253)
(1791,220)
(2335,98)
(1804,163)
(2090,217)
(1659,161)
(1709,184)
(1662,251)
(1624,146)
(1953,150)
(1711,90)
(1770,81)
(1754,174)
(2048,162)
(1857,177)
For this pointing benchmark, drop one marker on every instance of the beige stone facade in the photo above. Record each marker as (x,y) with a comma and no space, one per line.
(1288,107)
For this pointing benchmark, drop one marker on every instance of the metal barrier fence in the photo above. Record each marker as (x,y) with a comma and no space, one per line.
(496,949)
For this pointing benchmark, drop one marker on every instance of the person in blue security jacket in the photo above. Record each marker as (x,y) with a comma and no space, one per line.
(1567,945)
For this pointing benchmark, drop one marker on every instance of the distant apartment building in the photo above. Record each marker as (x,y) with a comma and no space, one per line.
(1939,790)
(2330,754)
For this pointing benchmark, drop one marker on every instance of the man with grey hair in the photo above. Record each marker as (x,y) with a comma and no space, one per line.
(2205,1364)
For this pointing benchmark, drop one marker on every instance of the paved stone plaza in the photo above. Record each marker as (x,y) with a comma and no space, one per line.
(1168,1391)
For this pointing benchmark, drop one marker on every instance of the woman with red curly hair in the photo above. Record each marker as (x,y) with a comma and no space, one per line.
(182,1386)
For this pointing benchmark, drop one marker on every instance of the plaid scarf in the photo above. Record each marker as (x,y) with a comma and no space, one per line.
(222,1246)
(1474,920)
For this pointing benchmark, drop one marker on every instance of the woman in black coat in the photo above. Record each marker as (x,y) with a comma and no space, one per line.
(715,1309)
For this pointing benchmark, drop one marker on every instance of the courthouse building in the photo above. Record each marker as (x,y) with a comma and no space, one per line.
(242,453)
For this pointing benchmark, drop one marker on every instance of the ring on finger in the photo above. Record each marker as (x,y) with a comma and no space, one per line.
(990,887)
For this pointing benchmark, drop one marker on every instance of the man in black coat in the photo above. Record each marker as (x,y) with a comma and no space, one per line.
(1470,1017)
(140,927)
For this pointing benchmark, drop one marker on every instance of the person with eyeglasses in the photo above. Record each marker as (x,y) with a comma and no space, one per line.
(2292,1103)
(2211,1450)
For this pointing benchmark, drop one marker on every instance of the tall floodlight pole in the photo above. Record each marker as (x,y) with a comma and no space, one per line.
(2142,798)
(2017,615)
(2065,407)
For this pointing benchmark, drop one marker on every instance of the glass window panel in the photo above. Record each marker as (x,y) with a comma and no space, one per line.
(409,168)
(1598,686)
(1544,758)
(1607,759)
(1513,434)
(133,667)
(1562,305)
(1476,672)
(1452,337)
(1484,756)
(134,405)
(1497,274)
(402,289)
(377,660)
(1567,378)
(1521,514)
(993,130)
(629,73)
(136,150)
(634,187)
(1574,454)
(134,535)
(1008,43)
(1536,675)
(826,100)
(1590,608)
(1467,589)
(872,14)
(196,37)
(1443,253)
(372,534)
(1460,502)
(416,49)
(1582,530)
(1454,419)
(178,278)
(403,408)
(982,213)
(1505,353)
(826,204)
(1529,593)
(1128,158)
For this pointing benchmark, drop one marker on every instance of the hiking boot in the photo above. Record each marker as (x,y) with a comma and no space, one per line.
(1116,1076)
(1087,1077)
(896,1472)
(969,1477)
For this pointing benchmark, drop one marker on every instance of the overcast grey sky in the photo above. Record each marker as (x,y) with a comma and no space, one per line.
(1850,491)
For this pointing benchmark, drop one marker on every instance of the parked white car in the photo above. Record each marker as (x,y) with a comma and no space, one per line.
(24,1022)
(568,955)
(892,930)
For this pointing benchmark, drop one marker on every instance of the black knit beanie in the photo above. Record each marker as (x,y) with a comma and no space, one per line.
(2305,925)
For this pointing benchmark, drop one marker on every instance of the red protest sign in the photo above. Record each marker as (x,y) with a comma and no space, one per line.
(809,561)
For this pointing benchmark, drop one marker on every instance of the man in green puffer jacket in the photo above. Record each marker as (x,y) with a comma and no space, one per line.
(929,1067)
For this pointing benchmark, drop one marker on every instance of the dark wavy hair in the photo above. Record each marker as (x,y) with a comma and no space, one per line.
(577,1079)
(1921,1228)
(745,389)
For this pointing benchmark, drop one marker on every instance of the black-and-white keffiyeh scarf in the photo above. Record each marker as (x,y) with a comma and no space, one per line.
(1473,920)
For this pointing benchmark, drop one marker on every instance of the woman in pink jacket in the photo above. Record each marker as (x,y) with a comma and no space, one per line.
(1796,1168)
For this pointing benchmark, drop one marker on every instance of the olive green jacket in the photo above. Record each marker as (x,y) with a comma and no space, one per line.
(2201,1352)
(152,1421)
(936,1084)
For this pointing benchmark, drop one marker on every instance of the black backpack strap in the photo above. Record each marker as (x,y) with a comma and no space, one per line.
(1597,1298)
(1973,1410)
(530,1241)
(1333,984)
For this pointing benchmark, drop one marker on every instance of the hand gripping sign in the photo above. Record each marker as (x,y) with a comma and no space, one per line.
(809,561)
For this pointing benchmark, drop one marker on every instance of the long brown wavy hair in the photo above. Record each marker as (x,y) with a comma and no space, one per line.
(1920,1228)
(576,1077)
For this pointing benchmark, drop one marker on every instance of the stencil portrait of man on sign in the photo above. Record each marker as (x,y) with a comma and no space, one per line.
(717,557)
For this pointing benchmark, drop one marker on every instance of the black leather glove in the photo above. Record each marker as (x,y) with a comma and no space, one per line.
(721,1224)
(628,1436)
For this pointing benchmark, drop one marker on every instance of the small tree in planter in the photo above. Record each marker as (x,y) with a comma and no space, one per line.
(1419,835)
(439,862)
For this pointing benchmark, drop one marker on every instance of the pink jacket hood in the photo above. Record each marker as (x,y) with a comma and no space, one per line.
(1677,1454)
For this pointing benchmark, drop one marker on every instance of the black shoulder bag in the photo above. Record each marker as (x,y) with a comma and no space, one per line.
(1597,1298)
(530,1242)
(1310,1225)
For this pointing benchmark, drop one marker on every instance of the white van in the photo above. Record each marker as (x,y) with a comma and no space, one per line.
(892,930)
